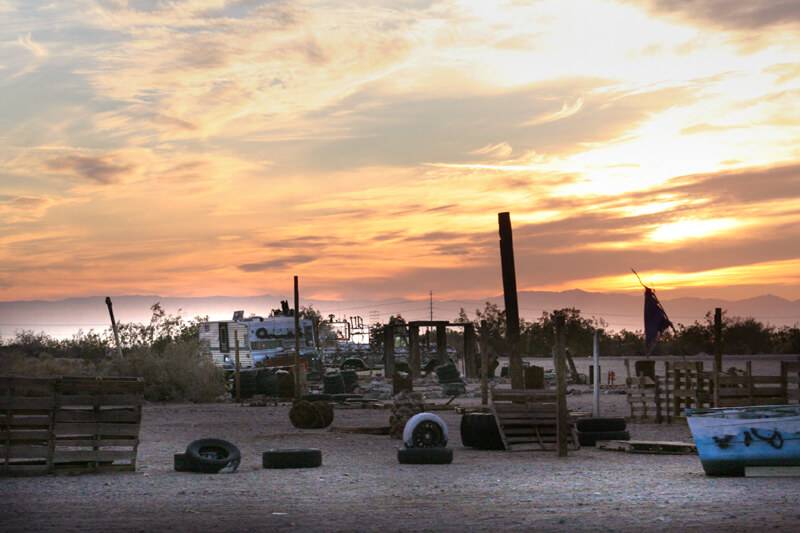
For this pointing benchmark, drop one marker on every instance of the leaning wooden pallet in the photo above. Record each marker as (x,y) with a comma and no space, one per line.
(69,425)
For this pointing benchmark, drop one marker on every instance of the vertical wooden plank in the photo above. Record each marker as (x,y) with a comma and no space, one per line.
(298,393)
(414,362)
(441,343)
(749,375)
(483,339)
(717,352)
(596,374)
(51,424)
(667,391)
(510,298)
(784,383)
(470,366)
(562,420)
(388,350)
(237,383)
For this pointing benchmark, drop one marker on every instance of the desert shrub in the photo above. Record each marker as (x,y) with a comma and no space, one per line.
(177,372)
(18,363)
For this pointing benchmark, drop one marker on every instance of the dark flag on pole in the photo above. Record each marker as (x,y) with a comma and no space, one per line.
(656,320)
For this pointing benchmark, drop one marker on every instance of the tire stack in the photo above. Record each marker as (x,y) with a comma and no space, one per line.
(306,414)
(266,382)
(450,380)
(333,383)
(479,430)
(406,405)
(353,363)
(208,456)
(592,430)
(247,384)
(425,441)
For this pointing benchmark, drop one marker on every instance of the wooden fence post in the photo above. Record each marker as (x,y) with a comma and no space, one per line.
(298,393)
(717,352)
(237,379)
(484,342)
(562,421)
(510,297)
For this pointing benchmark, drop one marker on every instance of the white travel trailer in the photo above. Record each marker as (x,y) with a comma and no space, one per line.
(218,340)
(274,337)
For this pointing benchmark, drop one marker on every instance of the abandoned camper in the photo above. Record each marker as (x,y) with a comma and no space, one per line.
(218,340)
(274,336)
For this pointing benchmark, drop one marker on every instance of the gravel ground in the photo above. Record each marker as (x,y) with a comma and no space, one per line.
(361,486)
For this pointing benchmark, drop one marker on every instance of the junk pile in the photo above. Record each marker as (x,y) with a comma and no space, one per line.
(425,441)
(406,405)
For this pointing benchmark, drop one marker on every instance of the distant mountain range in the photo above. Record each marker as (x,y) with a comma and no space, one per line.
(62,318)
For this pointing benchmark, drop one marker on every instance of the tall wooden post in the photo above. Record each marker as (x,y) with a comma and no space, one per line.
(414,363)
(717,352)
(510,297)
(114,326)
(596,374)
(237,380)
(297,369)
(483,339)
(470,366)
(562,421)
(441,343)
(388,351)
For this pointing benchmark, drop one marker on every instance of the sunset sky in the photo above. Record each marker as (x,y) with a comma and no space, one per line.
(212,147)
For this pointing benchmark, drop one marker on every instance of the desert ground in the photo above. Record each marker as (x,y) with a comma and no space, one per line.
(361,486)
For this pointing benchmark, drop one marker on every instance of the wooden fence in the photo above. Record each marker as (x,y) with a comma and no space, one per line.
(687,384)
(69,425)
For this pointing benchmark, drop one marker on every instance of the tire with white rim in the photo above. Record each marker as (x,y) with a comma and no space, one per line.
(425,430)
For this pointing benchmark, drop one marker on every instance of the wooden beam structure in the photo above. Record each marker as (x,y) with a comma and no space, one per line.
(562,421)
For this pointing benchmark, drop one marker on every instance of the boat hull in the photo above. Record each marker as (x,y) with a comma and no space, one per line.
(730,439)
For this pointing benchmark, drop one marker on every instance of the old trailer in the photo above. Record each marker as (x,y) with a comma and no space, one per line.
(218,341)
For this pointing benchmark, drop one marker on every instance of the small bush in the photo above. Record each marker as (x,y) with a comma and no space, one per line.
(176,373)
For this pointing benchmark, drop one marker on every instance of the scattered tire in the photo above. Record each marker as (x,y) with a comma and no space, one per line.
(353,363)
(266,383)
(181,463)
(479,430)
(592,425)
(305,415)
(350,380)
(425,456)
(467,428)
(425,430)
(590,439)
(333,384)
(212,455)
(292,458)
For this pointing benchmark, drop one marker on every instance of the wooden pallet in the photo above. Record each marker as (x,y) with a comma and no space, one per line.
(69,425)
(648,446)
(527,420)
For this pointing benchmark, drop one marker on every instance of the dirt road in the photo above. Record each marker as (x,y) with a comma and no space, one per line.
(361,487)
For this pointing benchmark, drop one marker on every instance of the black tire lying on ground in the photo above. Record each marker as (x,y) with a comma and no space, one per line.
(292,458)
(181,463)
(590,439)
(425,456)
(209,456)
(591,425)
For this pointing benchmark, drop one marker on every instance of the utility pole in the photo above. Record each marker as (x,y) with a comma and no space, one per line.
(431,305)
(562,415)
